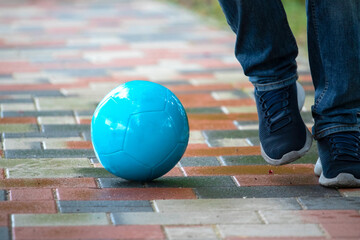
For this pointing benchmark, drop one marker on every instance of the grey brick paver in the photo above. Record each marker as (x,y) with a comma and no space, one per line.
(220,134)
(50,153)
(204,110)
(199,161)
(58,134)
(4,233)
(104,206)
(243,160)
(193,182)
(2,195)
(48,128)
(34,93)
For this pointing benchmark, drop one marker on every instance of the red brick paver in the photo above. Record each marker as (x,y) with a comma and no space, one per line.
(13,120)
(277,180)
(31,194)
(27,207)
(249,170)
(90,232)
(342,230)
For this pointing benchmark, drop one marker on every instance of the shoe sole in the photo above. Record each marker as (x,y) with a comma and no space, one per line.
(343,180)
(290,156)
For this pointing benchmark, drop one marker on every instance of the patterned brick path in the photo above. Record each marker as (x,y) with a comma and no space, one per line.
(59,58)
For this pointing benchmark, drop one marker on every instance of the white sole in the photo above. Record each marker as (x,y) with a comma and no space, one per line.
(290,156)
(343,180)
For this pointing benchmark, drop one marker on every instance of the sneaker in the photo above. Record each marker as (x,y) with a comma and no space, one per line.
(282,132)
(339,160)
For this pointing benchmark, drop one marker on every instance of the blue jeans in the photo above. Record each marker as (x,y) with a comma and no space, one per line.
(266,49)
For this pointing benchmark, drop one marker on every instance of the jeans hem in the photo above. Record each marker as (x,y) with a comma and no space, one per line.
(335,129)
(276,84)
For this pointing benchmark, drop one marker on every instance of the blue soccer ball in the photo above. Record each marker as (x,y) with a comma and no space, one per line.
(139,131)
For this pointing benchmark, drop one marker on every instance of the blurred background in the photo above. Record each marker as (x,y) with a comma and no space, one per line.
(295,10)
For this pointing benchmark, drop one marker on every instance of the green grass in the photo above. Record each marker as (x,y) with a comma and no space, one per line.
(295,10)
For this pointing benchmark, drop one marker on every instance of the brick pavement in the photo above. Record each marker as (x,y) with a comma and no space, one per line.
(59,58)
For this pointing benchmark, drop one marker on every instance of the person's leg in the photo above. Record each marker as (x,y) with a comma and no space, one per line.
(266,49)
(265,45)
(334,55)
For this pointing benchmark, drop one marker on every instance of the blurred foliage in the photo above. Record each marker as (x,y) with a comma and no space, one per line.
(295,10)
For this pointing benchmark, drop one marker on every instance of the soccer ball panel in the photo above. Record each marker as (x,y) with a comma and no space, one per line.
(177,112)
(150,137)
(169,162)
(108,127)
(140,96)
(125,166)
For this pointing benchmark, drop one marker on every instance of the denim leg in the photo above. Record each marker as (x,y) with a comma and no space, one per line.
(334,55)
(265,45)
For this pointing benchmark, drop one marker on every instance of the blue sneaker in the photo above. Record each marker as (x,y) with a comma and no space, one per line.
(282,132)
(339,160)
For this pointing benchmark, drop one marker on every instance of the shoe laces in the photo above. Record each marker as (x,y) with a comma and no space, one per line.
(345,146)
(275,104)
